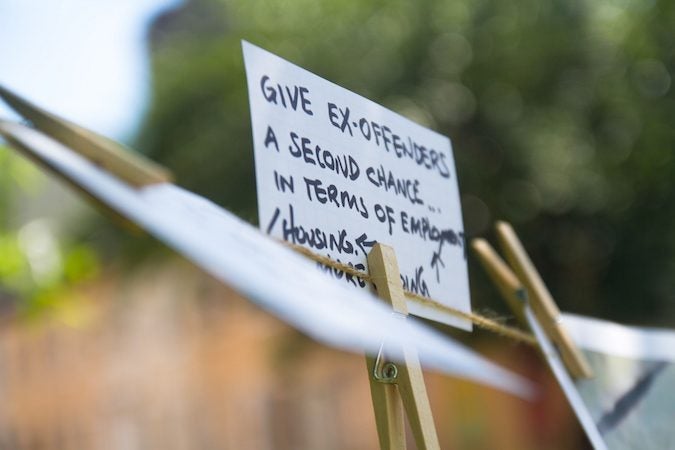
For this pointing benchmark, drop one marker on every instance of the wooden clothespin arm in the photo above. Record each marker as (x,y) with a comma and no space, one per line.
(509,286)
(401,386)
(115,158)
(12,134)
(541,300)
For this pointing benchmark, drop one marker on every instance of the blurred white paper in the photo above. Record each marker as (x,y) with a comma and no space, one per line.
(619,340)
(632,395)
(336,172)
(629,403)
(565,381)
(269,274)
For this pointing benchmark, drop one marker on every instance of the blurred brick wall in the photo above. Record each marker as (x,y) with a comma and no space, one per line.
(168,358)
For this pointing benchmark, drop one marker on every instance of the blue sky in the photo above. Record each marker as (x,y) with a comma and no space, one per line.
(85,60)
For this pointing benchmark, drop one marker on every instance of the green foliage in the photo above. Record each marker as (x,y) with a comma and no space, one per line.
(35,269)
(559,111)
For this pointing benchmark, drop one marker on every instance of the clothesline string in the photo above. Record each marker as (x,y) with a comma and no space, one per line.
(477,319)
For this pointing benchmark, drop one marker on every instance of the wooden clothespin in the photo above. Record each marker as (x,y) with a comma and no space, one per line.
(534,306)
(526,280)
(112,156)
(12,133)
(543,305)
(397,388)
(509,286)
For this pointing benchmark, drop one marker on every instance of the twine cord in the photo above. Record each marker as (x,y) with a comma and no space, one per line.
(477,319)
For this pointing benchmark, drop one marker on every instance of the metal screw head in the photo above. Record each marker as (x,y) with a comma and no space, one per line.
(390,371)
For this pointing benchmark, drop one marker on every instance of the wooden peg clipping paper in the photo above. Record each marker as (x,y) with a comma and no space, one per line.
(502,276)
(108,154)
(410,385)
(542,302)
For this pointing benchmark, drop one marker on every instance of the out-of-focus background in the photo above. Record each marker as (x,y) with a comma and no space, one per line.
(561,117)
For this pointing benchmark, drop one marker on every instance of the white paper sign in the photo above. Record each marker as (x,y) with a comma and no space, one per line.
(336,172)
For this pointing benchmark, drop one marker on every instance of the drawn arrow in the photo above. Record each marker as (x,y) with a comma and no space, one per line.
(363,243)
(437,262)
